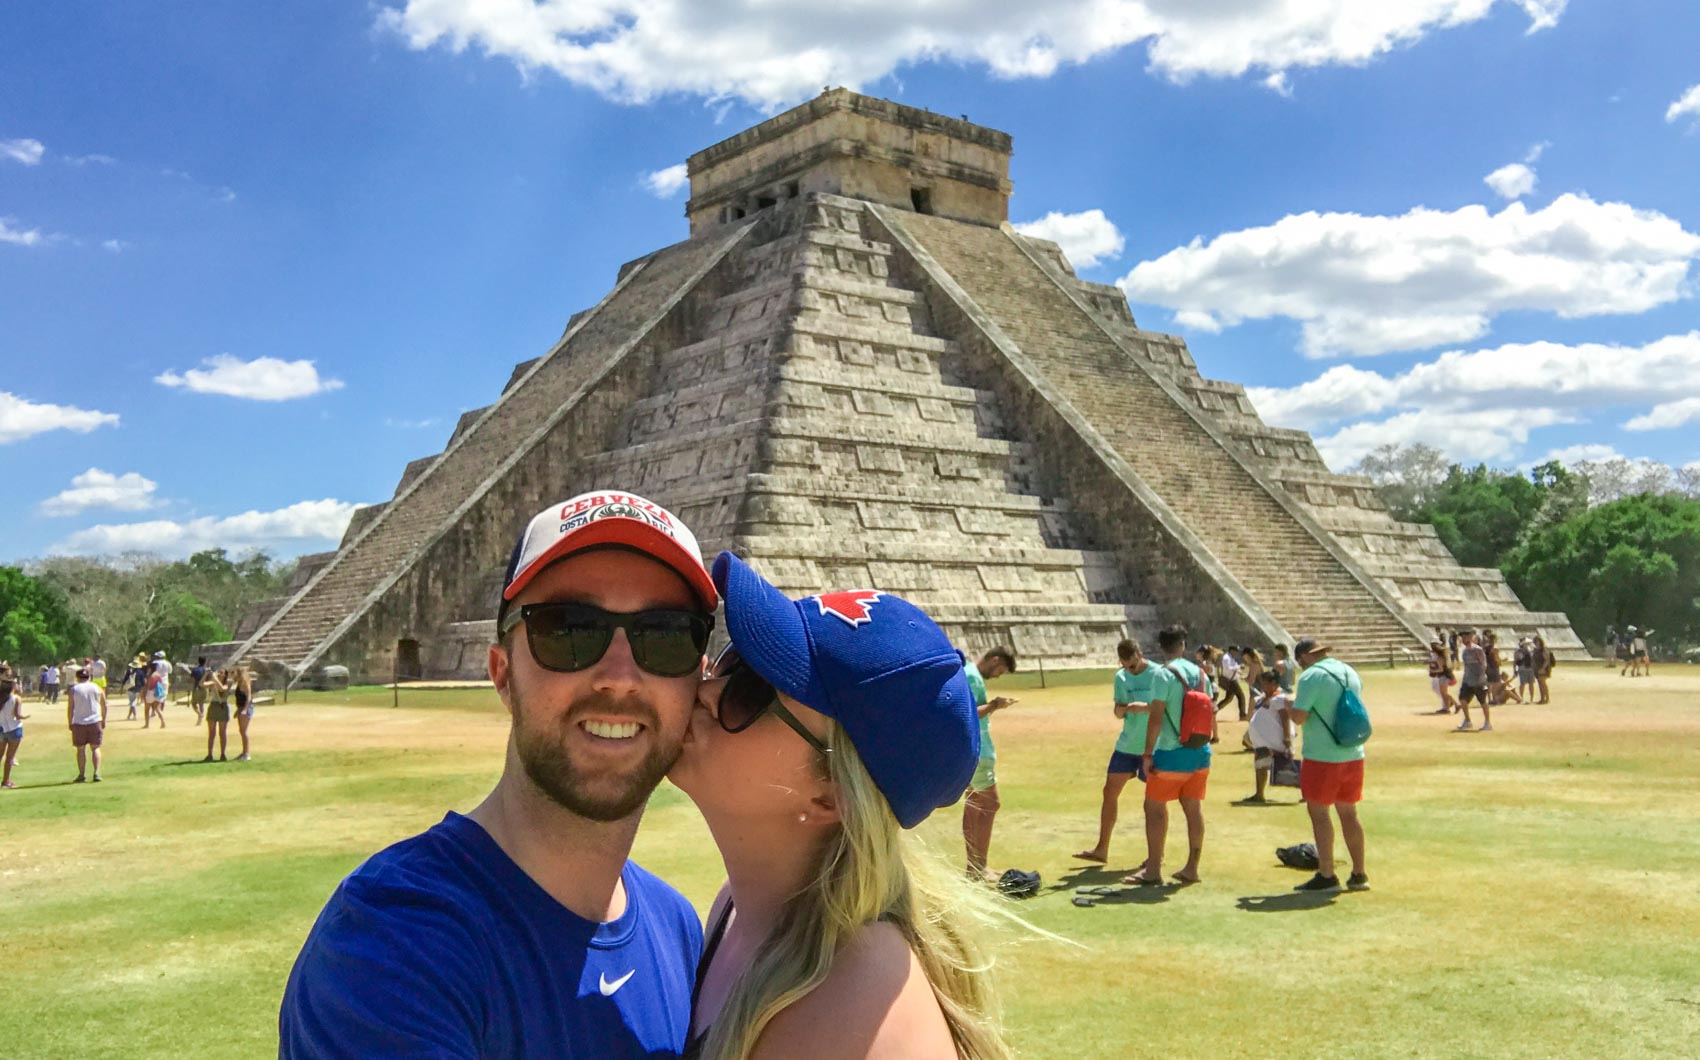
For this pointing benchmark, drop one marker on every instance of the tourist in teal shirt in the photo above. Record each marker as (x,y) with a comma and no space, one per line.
(1173,772)
(1332,775)
(1140,683)
(981,805)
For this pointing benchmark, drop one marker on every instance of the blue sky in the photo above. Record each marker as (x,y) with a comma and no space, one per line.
(199,197)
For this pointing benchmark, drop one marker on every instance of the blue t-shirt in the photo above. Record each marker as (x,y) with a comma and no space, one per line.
(1169,756)
(441,946)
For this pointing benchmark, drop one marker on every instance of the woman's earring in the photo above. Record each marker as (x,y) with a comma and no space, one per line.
(802,818)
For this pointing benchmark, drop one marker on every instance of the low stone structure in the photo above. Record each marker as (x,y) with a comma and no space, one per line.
(858,375)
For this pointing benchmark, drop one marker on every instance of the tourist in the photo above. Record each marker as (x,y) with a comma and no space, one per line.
(85,715)
(12,718)
(1452,640)
(521,929)
(1440,676)
(980,808)
(135,679)
(97,672)
(242,690)
(1228,665)
(1283,666)
(1626,652)
(1495,683)
(1542,660)
(1523,661)
(158,687)
(1332,775)
(1270,732)
(50,683)
(1642,659)
(1173,772)
(1473,681)
(1138,684)
(216,699)
(829,727)
(198,690)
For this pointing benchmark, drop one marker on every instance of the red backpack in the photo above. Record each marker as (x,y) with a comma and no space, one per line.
(1198,716)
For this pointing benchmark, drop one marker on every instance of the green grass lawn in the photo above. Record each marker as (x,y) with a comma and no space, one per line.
(1537,889)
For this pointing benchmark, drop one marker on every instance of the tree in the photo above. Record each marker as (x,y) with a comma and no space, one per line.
(1406,476)
(37,623)
(1634,560)
(1614,479)
(1480,514)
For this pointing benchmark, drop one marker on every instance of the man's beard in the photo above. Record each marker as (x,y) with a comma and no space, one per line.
(542,750)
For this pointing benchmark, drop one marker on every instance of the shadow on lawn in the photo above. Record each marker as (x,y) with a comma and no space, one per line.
(1291,902)
(1088,875)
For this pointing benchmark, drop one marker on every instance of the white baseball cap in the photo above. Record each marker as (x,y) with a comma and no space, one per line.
(608,517)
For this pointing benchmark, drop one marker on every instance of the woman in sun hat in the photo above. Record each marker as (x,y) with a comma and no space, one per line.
(829,726)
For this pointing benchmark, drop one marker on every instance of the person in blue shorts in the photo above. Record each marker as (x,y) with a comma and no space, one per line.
(1139,683)
(521,928)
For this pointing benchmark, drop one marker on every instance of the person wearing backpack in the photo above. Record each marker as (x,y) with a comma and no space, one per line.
(1177,760)
(1329,710)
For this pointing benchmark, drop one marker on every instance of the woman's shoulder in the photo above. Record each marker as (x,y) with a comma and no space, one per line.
(876,1002)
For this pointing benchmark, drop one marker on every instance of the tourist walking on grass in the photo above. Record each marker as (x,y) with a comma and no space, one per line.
(216,697)
(1541,659)
(1270,733)
(242,690)
(136,679)
(521,929)
(85,715)
(1440,677)
(1332,776)
(198,689)
(1173,772)
(1139,685)
(12,718)
(980,808)
(50,683)
(157,688)
(1473,681)
(1228,666)
(1523,661)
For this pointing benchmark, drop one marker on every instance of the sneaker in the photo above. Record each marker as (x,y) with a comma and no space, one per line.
(1464,727)
(208,758)
(1486,727)
(221,758)
(97,778)
(80,780)
(1319,882)
(243,757)
(1357,881)
(8,784)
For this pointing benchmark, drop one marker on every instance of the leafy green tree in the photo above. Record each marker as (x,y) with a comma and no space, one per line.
(1480,513)
(1635,560)
(37,623)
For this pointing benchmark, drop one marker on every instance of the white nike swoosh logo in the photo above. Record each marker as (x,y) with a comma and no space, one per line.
(608,988)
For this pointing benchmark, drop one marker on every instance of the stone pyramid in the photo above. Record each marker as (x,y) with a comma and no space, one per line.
(858,375)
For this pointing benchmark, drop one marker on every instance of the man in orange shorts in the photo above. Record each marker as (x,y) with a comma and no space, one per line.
(1173,772)
(1331,779)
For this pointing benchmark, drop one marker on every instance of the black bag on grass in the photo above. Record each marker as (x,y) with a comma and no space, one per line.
(1298,856)
(1015,883)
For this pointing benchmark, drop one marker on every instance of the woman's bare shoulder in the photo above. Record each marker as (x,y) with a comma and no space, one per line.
(875,1003)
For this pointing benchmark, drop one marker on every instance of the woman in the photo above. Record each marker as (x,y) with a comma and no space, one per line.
(829,726)
(1440,676)
(218,710)
(1522,660)
(12,718)
(1542,659)
(243,689)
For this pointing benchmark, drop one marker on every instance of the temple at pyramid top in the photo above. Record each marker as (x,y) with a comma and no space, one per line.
(859,147)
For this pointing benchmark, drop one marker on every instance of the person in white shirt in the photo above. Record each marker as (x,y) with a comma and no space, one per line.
(85,713)
(1228,670)
(97,672)
(1271,731)
(12,719)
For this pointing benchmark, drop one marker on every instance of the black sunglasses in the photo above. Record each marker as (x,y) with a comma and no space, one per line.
(567,637)
(747,696)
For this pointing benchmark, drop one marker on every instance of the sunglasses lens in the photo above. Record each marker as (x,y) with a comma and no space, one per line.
(669,643)
(745,698)
(568,638)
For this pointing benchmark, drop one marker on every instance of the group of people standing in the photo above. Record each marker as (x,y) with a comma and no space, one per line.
(1471,660)
(1629,650)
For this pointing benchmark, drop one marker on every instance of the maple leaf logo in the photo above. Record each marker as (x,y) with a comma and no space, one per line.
(851,605)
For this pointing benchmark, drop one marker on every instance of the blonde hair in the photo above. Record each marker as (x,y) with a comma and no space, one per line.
(870,871)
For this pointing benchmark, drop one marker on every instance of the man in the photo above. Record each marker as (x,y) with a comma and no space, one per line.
(981,805)
(197,688)
(1284,669)
(1332,775)
(522,929)
(1643,661)
(136,678)
(97,672)
(1173,772)
(1138,685)
(50,683)
(85,716)
(1472,683)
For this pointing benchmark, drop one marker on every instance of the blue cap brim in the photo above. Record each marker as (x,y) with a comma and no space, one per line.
(767,627)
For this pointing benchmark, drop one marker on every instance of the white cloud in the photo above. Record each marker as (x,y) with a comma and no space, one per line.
(1370,285)
(23,237)
(1511,182)
(21,418)
(91,160)
(1481,404)
(262,379)
(1667,414)
(409,425)
(771,52)
(94,488)
(303,522)
(1087,238)
(666,183)
(1685,105)
(1570,455)
(116,246)
(23,150)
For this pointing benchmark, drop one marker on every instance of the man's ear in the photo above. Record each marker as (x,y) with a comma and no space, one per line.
(500,666)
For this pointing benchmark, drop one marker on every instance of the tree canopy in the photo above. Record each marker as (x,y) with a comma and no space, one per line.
(37,622)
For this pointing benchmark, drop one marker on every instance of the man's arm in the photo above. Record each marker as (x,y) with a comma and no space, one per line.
(103,708)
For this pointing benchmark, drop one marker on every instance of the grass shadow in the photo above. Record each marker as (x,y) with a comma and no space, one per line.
(1154,895)
(1088,875)
(1291,902)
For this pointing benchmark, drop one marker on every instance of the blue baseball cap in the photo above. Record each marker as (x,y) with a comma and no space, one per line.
(877,665)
